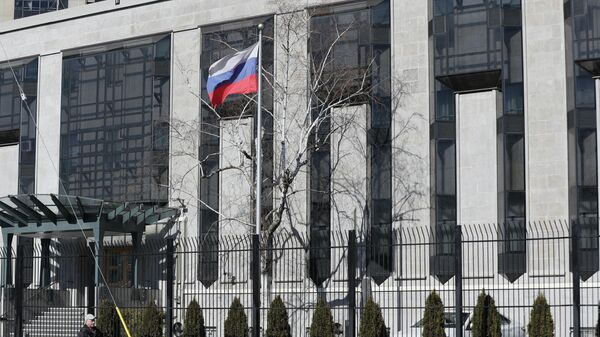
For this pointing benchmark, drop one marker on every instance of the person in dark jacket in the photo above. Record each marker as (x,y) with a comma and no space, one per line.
(89,328)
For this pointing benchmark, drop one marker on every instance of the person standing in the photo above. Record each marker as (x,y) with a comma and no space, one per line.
(89,328)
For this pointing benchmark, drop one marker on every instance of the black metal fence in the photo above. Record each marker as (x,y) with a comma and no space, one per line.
(54,286)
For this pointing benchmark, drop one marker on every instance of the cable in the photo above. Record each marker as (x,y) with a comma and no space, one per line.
(78,220)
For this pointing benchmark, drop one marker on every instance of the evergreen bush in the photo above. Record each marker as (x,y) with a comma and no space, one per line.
(108,320)
(371,321)
(194,321)
(277,320)
(151,322)
(322,321)
(541,323)
(486,318)
(433,318)
(236,324)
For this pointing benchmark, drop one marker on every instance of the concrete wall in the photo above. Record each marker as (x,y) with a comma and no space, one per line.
(9,179)
(349,160)
(236,177)
(184,141)
(545,109)
(48,137)
(476,157)
(410,140)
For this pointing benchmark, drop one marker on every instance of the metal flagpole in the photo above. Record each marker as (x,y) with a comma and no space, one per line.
(259,133)
(256,239)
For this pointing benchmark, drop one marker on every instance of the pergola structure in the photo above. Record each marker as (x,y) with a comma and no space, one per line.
(49,216)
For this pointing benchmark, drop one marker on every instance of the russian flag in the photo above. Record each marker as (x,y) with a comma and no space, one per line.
(233,74)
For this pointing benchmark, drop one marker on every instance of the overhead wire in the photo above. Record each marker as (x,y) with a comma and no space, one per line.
(60,180)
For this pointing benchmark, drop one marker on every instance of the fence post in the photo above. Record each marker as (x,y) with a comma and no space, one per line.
(351,284)
(18,328)
(255,270)
(170,284)
(458,305)
(576,278)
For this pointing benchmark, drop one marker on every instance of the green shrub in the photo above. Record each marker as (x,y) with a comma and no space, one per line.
(194,321)
(151,322)
(486,319)
(277,320)
(541,323)
(236,324)
(433,318)
(133,319)
(371,321)
(322,321)
(108,320)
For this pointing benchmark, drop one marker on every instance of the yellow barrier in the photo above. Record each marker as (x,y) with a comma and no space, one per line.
(123,322)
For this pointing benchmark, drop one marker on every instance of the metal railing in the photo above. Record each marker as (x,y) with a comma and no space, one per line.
(398,276)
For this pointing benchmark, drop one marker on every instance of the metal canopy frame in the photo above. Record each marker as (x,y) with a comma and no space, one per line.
(47,215)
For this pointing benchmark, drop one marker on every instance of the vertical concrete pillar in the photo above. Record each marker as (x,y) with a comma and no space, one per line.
(349,160)
(545,109)
(410,129)
(185,125)
(476,156)
(48,144)
(7,10)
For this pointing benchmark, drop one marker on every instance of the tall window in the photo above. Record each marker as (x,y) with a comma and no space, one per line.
(477,45)
(582,35)
(114,123)
(17,118)
(217,42)
(17,127)
(352,44)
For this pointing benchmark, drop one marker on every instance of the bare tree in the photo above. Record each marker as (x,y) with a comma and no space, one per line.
(320,101)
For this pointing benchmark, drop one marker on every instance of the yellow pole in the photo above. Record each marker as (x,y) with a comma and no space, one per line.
(123,322)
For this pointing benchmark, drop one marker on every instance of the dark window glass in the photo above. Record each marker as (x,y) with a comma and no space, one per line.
(114,133)
(352,46)
(514,236)
(514,162)
(446,167)
(586,158)
(444,238)
(583,44)
(469,37)
(446,210)
(24,8)
(585,89)
(588,233)
(588,202)
(445,105)
(17,118)
(515,206)
(586,34)
(218,42)
(513,71)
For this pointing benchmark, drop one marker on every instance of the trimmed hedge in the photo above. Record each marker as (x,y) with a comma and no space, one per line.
(433,318)
(322,321)
(541,323)
(277,320)
(236,324)
(371,321)
(194,321)
(108,320)
(486,318)
(151,322)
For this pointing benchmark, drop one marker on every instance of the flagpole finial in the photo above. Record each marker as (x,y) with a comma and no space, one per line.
(261,26)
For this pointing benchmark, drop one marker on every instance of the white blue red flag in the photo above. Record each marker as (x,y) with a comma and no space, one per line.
(233,74)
